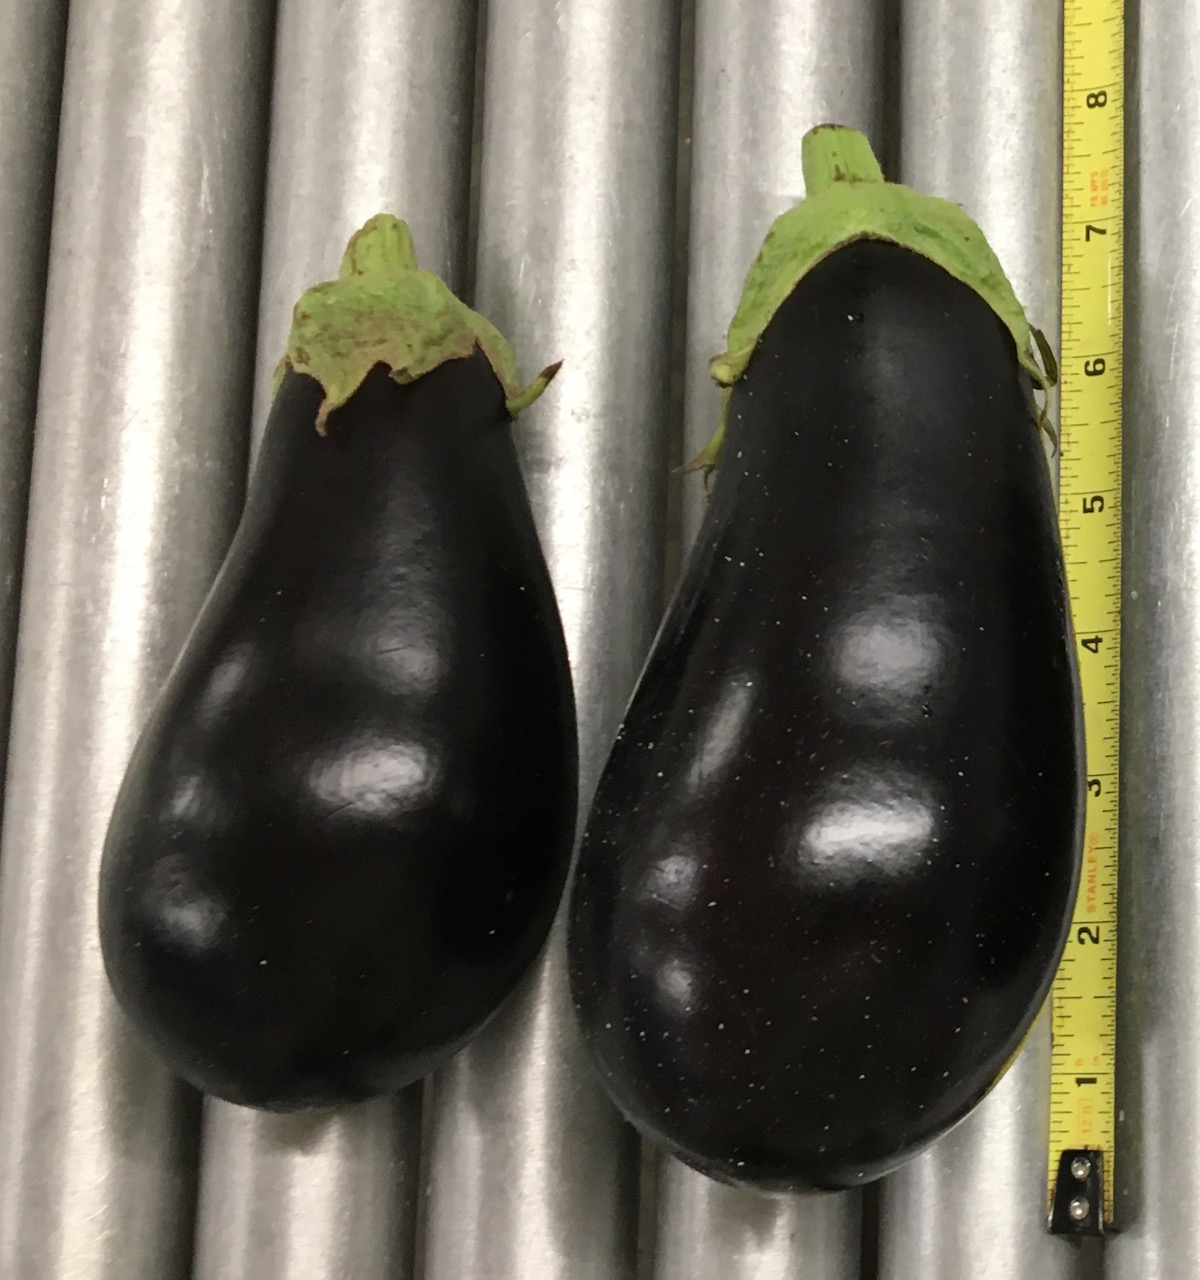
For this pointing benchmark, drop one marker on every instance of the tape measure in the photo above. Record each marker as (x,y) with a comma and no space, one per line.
(1084,998)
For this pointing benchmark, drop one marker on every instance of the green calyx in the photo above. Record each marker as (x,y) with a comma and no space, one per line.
(847,199)
(383,309)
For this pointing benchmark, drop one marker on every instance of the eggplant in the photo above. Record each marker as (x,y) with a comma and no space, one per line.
(345,829)
(830,864)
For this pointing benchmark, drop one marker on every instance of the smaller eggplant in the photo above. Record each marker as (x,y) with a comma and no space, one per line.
(345,829)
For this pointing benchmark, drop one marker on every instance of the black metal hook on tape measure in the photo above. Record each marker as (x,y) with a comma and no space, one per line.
(1078,1205)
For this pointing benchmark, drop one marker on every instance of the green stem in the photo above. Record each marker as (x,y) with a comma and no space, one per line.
(383,309)
(834,153)
(515,404)
(382,246)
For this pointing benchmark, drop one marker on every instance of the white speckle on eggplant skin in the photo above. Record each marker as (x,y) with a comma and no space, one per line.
(904,774)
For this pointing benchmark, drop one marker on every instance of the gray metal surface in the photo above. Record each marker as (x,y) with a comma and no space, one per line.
(980,104)
(309,1196)
(975,1203)
(372,112)
(1158,1068)
(707,1231)
(532,1177)
(137,475)
(31,56)
(757,87)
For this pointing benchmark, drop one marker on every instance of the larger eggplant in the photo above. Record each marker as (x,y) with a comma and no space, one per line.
(831,861)
(345,829)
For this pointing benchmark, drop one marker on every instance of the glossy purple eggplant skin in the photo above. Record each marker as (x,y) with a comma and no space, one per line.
(830,865)
(345,830)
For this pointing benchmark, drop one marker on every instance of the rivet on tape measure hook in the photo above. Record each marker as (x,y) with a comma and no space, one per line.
(1083,1097)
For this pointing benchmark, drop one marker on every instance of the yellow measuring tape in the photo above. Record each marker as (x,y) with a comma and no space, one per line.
(1083,1100)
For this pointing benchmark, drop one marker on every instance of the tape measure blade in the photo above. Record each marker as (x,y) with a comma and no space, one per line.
(1083,1100)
